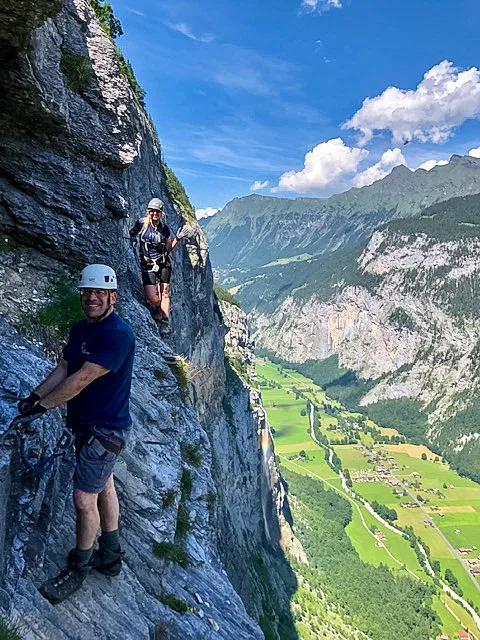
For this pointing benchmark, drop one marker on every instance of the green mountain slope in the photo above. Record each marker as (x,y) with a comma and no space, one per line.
(255,230)
(456,220)
(400,311)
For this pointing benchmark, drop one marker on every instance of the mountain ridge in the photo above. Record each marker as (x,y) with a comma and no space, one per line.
(257,229)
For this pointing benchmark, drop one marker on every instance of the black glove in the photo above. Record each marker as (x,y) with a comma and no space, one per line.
(26,404)
(33,413)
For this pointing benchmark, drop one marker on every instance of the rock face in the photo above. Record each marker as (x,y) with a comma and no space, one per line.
(411,333)
(240,359)
(76,169)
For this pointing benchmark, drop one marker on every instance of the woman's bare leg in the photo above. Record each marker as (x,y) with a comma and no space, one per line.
(152,294)
(165,299)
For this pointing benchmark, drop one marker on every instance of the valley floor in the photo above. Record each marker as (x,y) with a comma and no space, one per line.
(442,508)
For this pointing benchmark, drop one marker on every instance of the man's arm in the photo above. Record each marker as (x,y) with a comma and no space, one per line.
(71,386)
(54,378)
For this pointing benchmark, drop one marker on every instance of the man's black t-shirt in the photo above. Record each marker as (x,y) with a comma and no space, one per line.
(105,401)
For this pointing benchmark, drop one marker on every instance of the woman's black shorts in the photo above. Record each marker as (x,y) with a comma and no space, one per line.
(162,276)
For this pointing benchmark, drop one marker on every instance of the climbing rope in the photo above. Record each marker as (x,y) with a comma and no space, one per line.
(32,445)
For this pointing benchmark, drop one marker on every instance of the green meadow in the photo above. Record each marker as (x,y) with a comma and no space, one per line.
(458,506)
(459,503)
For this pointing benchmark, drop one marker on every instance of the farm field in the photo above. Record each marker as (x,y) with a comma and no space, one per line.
(360,535)
(458,498)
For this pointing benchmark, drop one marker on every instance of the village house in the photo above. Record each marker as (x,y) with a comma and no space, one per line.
(464,550)
(474,562)
(465,635)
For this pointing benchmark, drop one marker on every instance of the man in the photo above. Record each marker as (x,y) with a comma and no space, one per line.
(93,378)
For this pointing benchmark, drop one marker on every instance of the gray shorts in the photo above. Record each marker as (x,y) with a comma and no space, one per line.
(94,466)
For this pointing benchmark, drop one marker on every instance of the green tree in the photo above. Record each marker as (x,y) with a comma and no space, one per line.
(108,20)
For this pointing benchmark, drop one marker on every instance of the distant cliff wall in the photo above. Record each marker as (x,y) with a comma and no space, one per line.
(411,333)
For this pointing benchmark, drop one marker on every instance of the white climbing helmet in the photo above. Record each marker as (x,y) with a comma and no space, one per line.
(98,276)
(155,203)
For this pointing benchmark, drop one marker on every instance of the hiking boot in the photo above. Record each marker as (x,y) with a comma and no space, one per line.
(106,560)
(67,582)
(164,327)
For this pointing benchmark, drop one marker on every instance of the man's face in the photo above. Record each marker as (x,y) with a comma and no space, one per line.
(95,302)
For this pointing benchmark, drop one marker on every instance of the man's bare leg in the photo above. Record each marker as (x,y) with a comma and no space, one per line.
(88,518)
(108,507)
(108,558)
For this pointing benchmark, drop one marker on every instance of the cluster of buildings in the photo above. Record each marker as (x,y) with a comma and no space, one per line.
(383,466)
(381,537)
(461,635)
(473,566)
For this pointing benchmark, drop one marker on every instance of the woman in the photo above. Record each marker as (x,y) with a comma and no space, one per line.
(155,247)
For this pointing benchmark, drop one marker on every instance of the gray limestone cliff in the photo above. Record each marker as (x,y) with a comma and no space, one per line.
(76,168)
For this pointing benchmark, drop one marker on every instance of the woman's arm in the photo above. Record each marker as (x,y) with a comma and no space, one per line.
(137,227)
(171,243)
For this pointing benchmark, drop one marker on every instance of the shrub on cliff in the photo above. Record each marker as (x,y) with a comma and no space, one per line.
(76,69)
(226,296)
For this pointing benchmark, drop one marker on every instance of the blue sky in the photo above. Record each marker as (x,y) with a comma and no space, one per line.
(268,95)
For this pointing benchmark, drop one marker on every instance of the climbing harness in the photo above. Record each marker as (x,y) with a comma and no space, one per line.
(32,444)
(158,242)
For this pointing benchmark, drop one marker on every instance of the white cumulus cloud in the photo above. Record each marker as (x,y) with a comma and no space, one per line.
(391,158)
(257,185)
(429,164)
(321,5)
(208,212)
(323,165)
(443,100)
(475,153)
